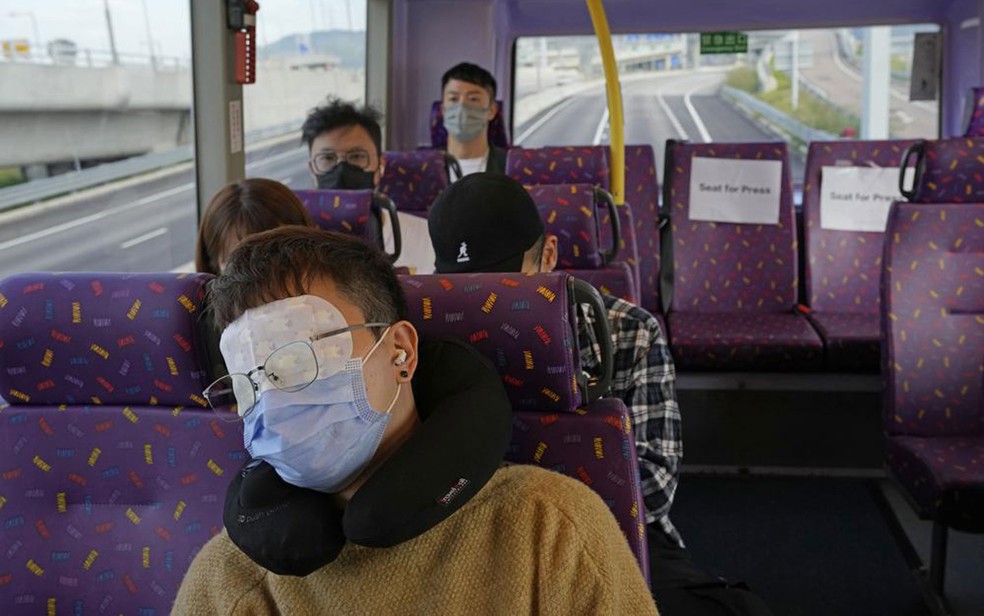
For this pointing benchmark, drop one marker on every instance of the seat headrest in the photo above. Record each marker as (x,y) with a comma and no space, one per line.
(947,171)
(413,179)
(498,136)
(101,338)
(559,165)
(524,324)
(571,212)
(352,212)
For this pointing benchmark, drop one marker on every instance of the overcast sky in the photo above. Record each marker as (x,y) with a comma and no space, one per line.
(84,21)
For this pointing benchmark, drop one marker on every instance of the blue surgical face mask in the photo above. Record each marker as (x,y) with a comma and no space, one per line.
(322,436)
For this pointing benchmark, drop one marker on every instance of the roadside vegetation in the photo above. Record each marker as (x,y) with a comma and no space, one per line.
(10,176)
(813,111)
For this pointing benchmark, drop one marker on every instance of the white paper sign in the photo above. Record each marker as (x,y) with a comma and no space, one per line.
(857,198)
(735,191)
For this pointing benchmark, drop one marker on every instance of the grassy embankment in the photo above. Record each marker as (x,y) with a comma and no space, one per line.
(812,111)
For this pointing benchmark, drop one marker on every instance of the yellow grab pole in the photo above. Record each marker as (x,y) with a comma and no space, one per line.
(615,121)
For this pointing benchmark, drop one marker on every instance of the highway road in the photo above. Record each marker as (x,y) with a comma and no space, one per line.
(682,105)
(148,224)
(134,225)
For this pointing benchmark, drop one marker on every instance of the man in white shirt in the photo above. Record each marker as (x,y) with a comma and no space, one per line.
(468,105)
(345,153)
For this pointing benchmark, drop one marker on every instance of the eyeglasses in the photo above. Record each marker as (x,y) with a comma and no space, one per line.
(289,368)
(326,160)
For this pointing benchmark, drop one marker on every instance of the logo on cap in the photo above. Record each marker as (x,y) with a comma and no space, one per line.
(463,253)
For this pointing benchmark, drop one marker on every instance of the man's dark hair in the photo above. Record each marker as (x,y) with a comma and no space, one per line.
(336,113)
(472,73)
(283,263)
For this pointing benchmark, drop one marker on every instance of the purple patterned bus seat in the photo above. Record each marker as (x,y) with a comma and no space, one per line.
(843,267)
(933,294)
(114,473)
(413,179)
(735,285)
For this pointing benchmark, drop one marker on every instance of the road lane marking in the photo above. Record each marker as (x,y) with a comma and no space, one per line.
(143,238)
(30,237)
(677,126)
(602,125)
(543,120)
(706,136)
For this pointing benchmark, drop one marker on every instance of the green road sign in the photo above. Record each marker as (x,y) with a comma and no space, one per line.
(723,42)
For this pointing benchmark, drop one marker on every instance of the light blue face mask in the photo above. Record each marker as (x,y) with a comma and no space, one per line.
(322,436)
(464,122)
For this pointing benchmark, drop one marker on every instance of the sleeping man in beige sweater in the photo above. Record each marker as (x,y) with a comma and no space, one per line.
(353,427)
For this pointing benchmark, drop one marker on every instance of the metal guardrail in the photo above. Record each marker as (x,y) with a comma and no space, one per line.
(782,122)
(39,190)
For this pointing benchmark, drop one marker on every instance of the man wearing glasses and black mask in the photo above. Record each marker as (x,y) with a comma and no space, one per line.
(345,153)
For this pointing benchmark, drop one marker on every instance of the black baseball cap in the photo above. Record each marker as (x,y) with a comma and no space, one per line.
(484,222)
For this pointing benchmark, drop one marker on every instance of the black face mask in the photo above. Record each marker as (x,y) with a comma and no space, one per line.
(346,177)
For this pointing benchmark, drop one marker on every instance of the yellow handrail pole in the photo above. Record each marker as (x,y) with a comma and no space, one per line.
(616,123)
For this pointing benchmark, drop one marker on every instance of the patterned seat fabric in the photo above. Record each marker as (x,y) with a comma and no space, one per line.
(744,341)
(852,341)
(346,211)
(498,136)
(113,476)
(571,212)
(934,329)
(735,285)
(596,446)
(615,280)
(642,194)
(975,127)
(526,326)
(559,165)
(843,268)
(413,179)
(950,171)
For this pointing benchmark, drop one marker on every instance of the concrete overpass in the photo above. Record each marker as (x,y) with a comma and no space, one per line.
(55,118)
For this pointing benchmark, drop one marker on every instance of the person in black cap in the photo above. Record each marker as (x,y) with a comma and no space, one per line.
(374,484)
(490,223)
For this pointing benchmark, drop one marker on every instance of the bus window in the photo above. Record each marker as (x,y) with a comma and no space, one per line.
(307,51)
(672,91)
(96,136)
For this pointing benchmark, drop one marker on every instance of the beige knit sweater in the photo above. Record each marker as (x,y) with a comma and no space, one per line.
(531,542)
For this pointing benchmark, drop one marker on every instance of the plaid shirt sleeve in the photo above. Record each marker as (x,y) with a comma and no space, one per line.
(644,378)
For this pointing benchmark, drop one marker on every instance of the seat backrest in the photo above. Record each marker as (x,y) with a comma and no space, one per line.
(559,165)
(353,212)
(573,214)
(525,325)
(947,171)
(412,180)
(843,266)
(642,195)
(727,266)
(933,320)
(114,471)
(498,135)
(975,125)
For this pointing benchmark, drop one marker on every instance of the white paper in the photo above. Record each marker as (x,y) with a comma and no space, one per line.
(857,198)
(735,191)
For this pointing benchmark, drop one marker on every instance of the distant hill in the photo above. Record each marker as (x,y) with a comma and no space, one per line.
(348,46)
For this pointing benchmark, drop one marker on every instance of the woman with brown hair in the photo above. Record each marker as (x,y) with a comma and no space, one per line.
(240,209)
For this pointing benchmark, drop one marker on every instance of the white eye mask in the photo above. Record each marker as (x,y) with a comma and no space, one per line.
(248,341)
